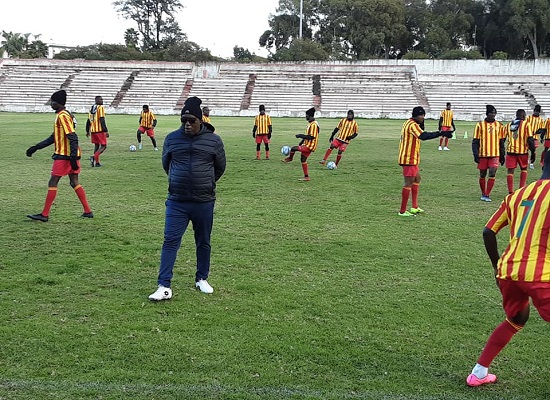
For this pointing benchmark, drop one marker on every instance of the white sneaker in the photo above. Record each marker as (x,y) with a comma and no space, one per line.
(156,149)
(531,166)
(162,293)
(139,146)
(440,148)
(446,148)
(204,286)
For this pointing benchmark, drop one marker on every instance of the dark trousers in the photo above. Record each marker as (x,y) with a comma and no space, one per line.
(178,215)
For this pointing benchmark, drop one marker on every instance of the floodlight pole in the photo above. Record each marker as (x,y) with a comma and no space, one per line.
(301,16)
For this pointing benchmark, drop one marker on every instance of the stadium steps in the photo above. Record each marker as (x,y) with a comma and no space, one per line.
(245,103)
(126,86)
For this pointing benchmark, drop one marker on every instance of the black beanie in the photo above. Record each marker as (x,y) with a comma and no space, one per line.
(490,109)
(418,111)
(311,112)
(192,106)
(537,108)
(262,107)
(60,97)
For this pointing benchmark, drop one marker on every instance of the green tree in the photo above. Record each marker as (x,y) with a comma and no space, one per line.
(302,50)
(531,20)
(155,19)
(17,45)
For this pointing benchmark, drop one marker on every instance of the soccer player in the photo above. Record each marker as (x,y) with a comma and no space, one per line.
(194,159)
(538,126)
(65,157)
(519,138)
(446,123)
(307,145)
(206,114)
(488,149)
(262,131)
(412,133)
(147,123)
(523,270)
(95,126)
(347,130)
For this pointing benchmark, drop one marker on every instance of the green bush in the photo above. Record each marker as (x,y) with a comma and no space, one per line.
(499,55)
(415,55)
(461,54)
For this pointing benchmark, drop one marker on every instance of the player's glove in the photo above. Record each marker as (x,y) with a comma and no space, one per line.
(299,136)
(331,139)
(253,134)
(532,160)
(31,150)
(74,164)
(269,135)
(476,159)
(502,159)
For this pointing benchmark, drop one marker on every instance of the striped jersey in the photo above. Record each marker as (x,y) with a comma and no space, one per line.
(94,116)
(146,119)
(516,141)
(205,119)
(63,126)
(409,145)
(312,130)
(263,122)
(346,128)
(536,122)
(527,212)
(447,116)
(489,135)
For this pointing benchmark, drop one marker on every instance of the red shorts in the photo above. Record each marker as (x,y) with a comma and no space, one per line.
(304,150)
(99,138)
(446,128)
(513,160)
(63,167)
(149,131)
(516,294)
(488,162)
(262,139)
(410,170)
(338,144)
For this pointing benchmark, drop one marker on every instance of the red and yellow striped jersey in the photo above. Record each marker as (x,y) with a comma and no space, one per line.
(536,122)
(63,126)
(262,122)
(516,141)
(95,118)
(489,135)
(312,130)
(447,116)
(527,211)
(409,145)
(346,128)
(205,119)
(146,119)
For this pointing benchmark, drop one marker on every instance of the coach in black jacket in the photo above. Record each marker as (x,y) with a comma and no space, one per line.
(194,159)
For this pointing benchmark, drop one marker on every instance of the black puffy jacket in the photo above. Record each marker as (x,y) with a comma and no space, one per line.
(193,163)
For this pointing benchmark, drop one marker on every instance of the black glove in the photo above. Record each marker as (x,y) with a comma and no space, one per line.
(74,164)
(476,159)
(253,134)
(31,150)
(269,135)
(502,159)
(331,139)
(299,136)
(532,160)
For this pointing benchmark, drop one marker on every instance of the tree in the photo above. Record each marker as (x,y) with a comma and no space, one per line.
(302,50)
(531,20)
(156,24)
(17,45)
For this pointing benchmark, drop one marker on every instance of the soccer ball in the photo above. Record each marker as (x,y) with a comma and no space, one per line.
(331,165)
(285,150)
(133,147)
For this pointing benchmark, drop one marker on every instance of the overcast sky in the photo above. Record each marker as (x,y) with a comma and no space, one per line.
(217,25)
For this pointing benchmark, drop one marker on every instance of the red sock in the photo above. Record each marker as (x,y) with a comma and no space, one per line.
(50,197)
(441,141)
(405,192)
(79,190)
(497,341)
(490,185)
(291,155)
(338,158)
(414,191)
(327,154)
(305,169)
(510,182)
(483,186)
(446,140)
(522,178)
(267,154)
(257,154)
(96,157)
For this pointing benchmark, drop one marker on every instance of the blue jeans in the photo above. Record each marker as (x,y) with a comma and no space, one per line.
(178,215)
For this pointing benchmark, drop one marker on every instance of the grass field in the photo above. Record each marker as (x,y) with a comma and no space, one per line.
(321,290)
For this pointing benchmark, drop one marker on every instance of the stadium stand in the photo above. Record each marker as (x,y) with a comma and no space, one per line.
(373,88)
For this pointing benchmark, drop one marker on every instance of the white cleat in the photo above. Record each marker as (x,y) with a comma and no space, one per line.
(162,293)
(204,286)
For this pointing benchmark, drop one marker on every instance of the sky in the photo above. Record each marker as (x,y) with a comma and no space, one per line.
(217,25)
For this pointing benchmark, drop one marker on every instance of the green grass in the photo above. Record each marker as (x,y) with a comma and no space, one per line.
(321,291)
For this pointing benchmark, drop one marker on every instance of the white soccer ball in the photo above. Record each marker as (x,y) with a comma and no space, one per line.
(133,147)
(285,150)
(331,165)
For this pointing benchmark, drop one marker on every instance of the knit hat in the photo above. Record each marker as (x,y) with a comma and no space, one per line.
(262,107)
(418,111)
(60,97)
(192,106)
(311,112)
(537,108)
(490,109)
